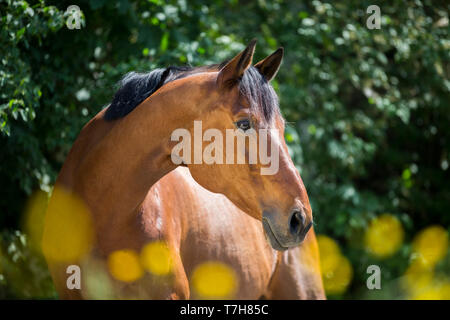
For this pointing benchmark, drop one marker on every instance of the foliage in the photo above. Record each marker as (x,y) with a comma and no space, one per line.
(23,272)
(368,109)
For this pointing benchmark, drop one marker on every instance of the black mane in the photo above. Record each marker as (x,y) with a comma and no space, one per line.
(136,87)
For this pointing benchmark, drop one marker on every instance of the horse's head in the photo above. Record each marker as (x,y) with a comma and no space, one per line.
(270,188)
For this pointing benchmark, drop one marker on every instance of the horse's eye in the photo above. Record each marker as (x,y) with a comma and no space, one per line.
(244,124)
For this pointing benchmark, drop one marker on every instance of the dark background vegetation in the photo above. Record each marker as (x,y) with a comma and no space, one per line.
(369,109)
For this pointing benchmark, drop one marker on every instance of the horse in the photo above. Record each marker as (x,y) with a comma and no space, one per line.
(120,157)
(238,240)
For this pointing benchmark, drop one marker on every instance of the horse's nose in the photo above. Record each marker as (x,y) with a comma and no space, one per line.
(298,224)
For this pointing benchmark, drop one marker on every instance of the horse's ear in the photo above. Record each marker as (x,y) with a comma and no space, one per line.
(234,70)
(270,65)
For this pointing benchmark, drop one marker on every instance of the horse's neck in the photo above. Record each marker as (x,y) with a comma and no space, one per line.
(116,173)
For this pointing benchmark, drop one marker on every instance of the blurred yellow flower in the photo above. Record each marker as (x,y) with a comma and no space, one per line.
(329,254)
(68,231)
(34,218)
(337,281)
(431,245)
(437,291)
(124,265)
(156,258)
(384,236)
(336,269)
(214,280)
(422,284)
(417,279)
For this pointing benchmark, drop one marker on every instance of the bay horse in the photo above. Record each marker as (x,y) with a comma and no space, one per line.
(230,236)
(126,149)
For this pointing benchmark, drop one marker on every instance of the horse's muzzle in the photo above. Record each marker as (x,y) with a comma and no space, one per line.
(292,235)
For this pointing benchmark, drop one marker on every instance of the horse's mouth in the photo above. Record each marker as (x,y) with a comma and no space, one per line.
(271,236)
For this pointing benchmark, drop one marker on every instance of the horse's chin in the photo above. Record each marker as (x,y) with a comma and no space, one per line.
(270,236)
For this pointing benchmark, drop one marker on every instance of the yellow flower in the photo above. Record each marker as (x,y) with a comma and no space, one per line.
(214,280)
(124,265)
(336,269)
(431,245)
(35,217)
(384,236)
(156,258)
(438,289)
(417,278)
(329,253)
(68,231)
(337,281)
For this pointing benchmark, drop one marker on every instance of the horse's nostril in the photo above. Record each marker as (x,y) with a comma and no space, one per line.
(297,222)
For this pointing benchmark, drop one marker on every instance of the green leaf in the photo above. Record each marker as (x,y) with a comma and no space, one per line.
(164,42)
